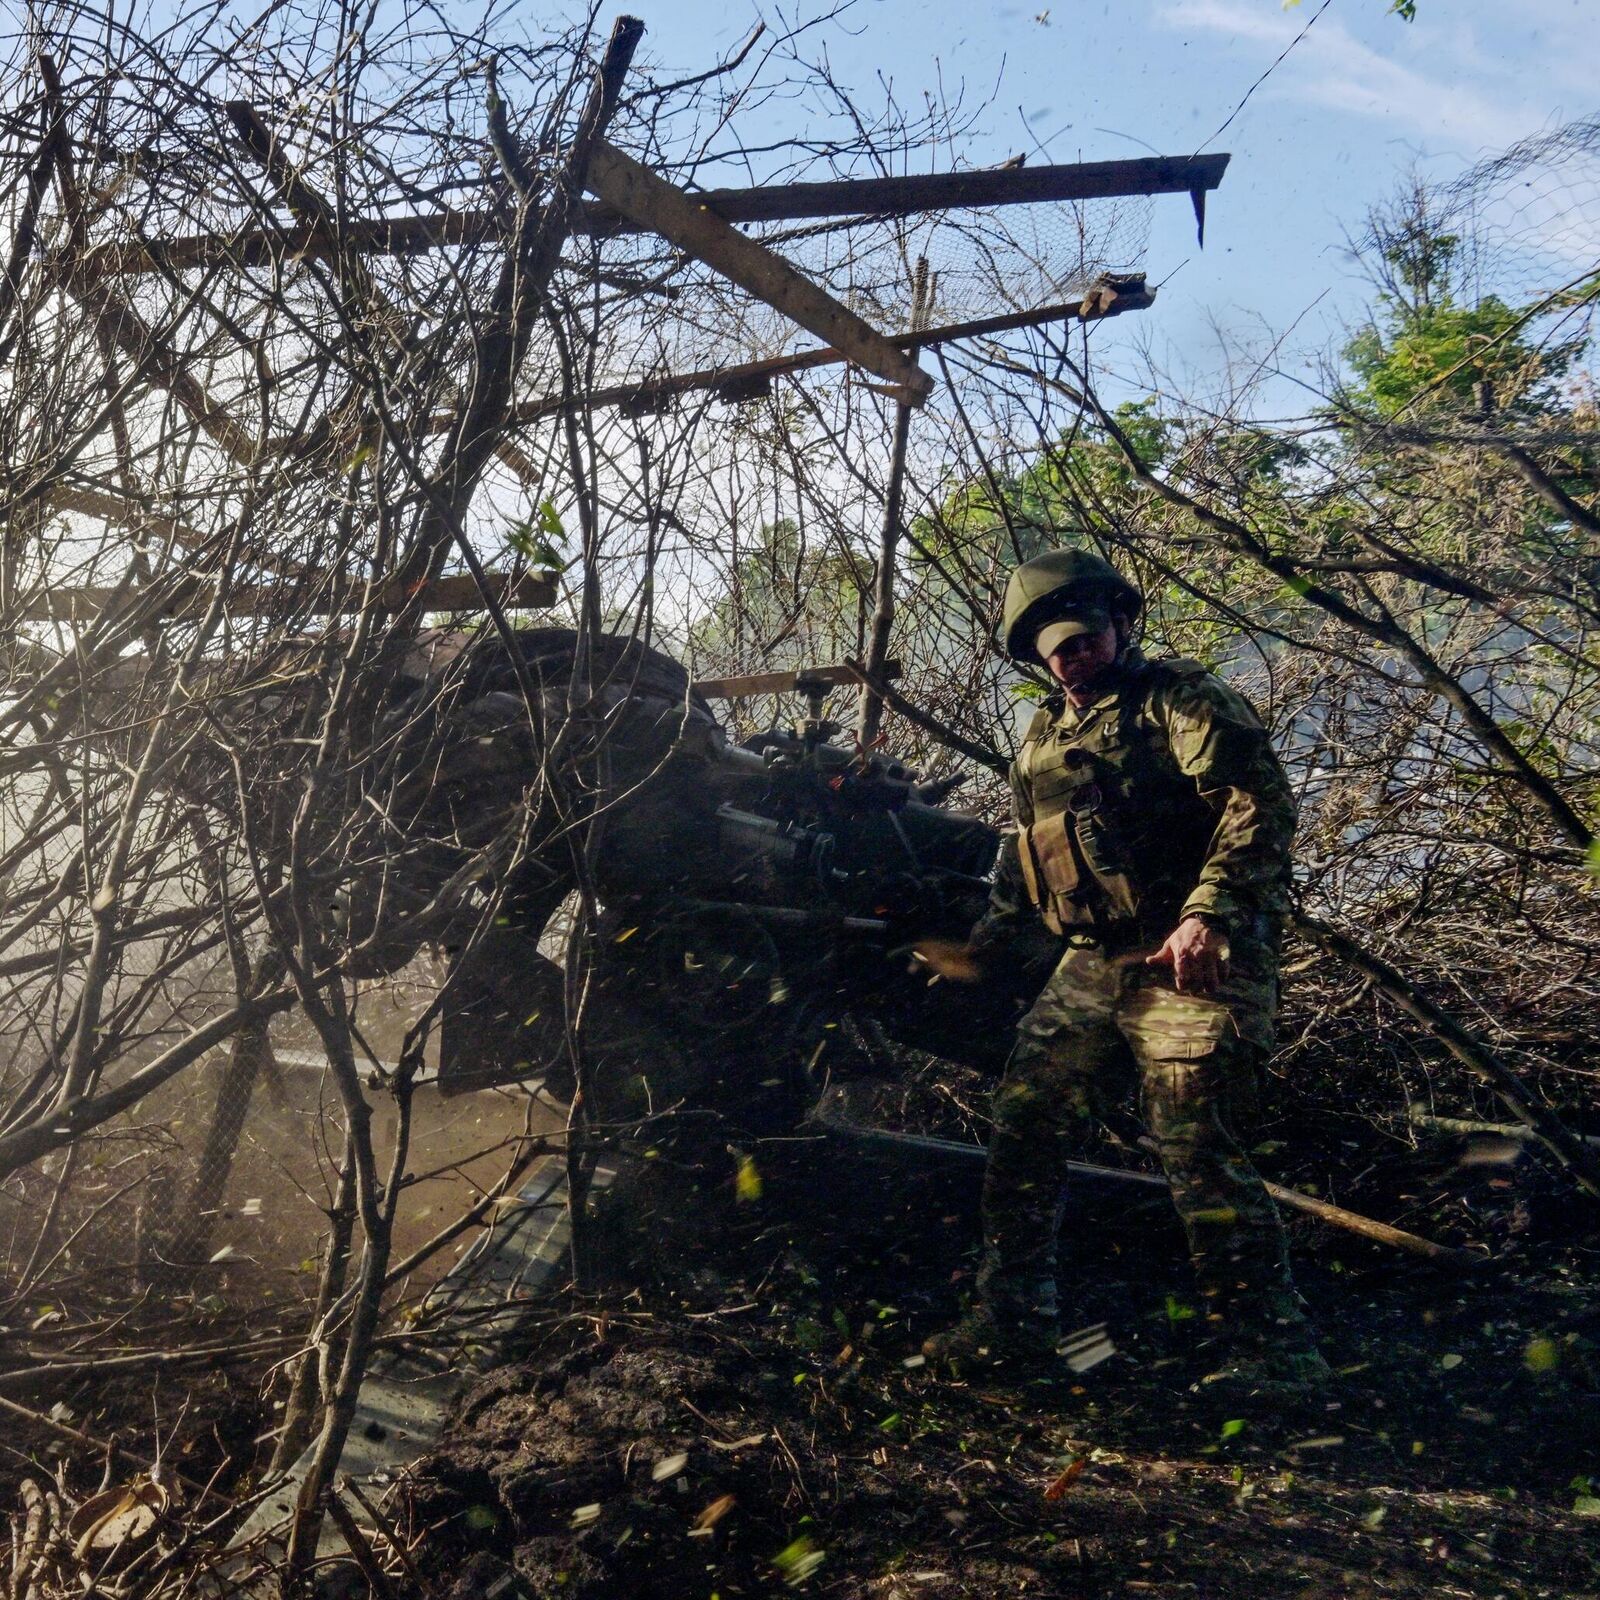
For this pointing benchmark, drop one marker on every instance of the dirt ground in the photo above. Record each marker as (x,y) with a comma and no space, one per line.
(757,1420)
(742,1412)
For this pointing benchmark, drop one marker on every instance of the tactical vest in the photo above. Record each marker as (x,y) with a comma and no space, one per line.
(1119,833)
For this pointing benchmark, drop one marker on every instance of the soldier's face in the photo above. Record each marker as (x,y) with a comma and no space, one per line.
(1082,661)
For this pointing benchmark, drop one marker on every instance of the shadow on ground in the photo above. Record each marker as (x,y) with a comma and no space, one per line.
(753,1419)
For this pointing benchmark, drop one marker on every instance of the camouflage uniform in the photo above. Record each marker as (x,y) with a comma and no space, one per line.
(1161,800)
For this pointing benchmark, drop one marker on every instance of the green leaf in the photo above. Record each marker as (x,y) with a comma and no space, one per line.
(1586,1505)
(1593,859)
(798,1561)
(1232,1427)
(747,1181)
(1541,1355)
(540,538)
(531,544)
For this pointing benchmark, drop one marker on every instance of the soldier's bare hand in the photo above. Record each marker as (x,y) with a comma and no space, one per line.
(1197,954)
(947,959)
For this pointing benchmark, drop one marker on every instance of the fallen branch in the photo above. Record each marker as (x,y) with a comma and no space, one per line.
(1323,1210)
(107,1447)
(391,1537)
(1466,1047)
(360,1548)
(1469,1129)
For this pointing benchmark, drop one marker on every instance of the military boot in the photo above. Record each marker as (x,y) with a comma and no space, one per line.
(1270,1356)
(983,1339)
(1274,1379)
(1012,1321)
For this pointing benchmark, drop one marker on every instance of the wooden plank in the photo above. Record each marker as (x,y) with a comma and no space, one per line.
(746,376)
(784,682)
(636,191)
(948,191)
(848,197)
(459,592)
(743,379)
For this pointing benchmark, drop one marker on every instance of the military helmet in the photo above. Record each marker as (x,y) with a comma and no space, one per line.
(1054,586)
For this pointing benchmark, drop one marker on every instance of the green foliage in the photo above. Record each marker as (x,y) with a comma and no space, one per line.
(540,539)
(1444,351)
(1070,494)
(1429,342)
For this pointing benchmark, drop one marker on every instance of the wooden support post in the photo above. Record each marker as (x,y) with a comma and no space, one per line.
(871,717)
(530,262)
(653,202)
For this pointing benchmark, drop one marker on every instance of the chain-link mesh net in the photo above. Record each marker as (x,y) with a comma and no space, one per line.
(981,262)
(1532,215)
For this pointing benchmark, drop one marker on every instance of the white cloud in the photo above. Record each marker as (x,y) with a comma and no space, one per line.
(1331,67)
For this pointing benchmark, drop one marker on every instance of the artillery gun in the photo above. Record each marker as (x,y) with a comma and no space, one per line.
(758,897)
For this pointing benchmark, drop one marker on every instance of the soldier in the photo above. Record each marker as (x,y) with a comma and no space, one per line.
(1154,825)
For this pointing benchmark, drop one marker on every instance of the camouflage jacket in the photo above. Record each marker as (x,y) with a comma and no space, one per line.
(1163,799)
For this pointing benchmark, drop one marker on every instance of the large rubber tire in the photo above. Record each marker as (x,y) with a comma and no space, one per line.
(463,764)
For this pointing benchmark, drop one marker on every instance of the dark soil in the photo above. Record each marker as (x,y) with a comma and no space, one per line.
(751,1416)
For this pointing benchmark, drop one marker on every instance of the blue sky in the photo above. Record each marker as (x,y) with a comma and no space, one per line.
(1361,98)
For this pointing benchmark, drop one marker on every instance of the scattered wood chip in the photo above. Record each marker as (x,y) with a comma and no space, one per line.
(714,1513)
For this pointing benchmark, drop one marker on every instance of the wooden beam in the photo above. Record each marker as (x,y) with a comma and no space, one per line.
(1109,296)
(126,513)
(653,202)
(848,197)
(459,592)
(750,683)
(746,377)
(950,191)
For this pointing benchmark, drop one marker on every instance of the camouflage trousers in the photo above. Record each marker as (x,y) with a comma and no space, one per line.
(1099,1030)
